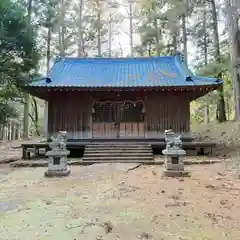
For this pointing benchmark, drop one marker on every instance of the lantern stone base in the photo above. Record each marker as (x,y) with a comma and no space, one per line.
(173,162)
(172,173)
(57,173)
(57,163)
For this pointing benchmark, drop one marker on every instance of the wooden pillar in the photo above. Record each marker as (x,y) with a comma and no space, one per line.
(46,120)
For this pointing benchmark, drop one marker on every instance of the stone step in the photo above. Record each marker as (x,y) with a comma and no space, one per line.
(118,161)
(116,158)
(137,151)
(117,154)
(119,143)
(118,147)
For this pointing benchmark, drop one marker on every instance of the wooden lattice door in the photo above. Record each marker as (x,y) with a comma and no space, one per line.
(118,119)
(131,119)
(104,120)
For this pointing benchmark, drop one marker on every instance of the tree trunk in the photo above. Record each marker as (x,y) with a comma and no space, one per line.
(206,105)
(80,30)
(34,116)
(26,97)
(61,30)
(29,11)
(26,115)
(156,27)
(99,26)
(99,47)
(221,113)
(48,56)
(120,46)
(131,28)
(48,53)
(174,43)
(234,47)
(110,36)
(158,50)
(184,32)
(149,50)
(228,109)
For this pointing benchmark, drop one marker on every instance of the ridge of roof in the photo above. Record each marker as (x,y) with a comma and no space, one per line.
(59,58)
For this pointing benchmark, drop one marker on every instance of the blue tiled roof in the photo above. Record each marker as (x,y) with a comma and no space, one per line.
(121,72)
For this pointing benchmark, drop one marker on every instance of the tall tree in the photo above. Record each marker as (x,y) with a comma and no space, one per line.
(232,15)
(80,7)
(18,53)
(27,97)
(151,28)
(205,47)
(220,113)
(62,27)
(48,20)
(201,35)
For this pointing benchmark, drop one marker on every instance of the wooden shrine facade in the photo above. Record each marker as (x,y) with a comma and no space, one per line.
(126,114)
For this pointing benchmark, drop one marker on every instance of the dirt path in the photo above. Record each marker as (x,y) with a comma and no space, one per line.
(104,202)
(9,150)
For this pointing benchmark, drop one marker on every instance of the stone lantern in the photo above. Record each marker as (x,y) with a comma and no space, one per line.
(174,155)
(57,156)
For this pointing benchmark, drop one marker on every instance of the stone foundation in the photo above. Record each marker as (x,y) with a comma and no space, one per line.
(57,163)
(174,162)
(172,173)
(57,173)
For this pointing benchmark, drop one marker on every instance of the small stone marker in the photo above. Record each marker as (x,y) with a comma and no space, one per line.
(57,157)
(174,155)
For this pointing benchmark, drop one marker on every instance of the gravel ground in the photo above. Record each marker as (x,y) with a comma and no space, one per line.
(9,151)
(106,201)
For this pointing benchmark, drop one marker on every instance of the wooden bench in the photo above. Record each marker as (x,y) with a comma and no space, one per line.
(29,151)
(28,148)
(201,148)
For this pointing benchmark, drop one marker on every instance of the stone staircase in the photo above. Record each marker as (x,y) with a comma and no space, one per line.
(118,152)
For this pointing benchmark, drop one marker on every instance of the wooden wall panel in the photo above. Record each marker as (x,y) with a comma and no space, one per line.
(71,112)
(134,129)
(166,111)
(101,130)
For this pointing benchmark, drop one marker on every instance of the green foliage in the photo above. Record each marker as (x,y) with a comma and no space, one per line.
(215,69)
(160,26)
(18,54)
(6,112)
(17,44)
